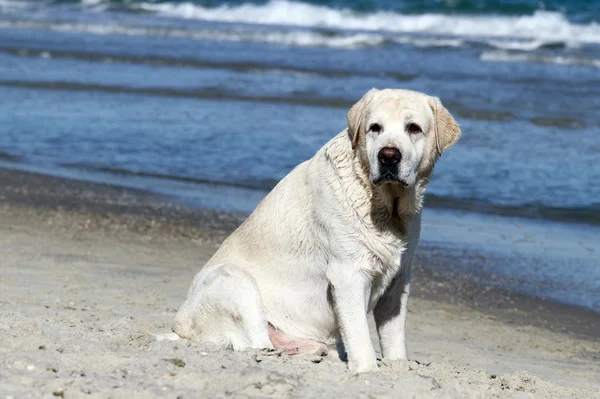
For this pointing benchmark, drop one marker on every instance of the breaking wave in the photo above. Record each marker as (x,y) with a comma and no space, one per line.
(541,25)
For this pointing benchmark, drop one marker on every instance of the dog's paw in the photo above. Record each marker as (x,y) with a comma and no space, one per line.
(363,367)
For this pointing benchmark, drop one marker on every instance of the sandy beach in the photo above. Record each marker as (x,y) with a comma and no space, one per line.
(91,274)
(136,135)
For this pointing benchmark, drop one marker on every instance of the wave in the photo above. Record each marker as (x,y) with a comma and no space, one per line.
(308,38)
(579,10)
(507,56)
(530,45)
(312,38)
(541,25)
(293,23)
(6,5)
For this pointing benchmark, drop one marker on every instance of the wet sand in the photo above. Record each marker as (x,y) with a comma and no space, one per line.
(91,272)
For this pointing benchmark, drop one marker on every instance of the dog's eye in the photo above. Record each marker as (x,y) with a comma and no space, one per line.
(375,128)
(413,128)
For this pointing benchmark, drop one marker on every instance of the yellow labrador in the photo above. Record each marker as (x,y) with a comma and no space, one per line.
(333,241)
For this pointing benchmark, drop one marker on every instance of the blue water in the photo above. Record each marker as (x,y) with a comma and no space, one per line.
(213,102)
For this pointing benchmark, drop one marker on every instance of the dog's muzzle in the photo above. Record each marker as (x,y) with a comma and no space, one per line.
(389,157)
(389,161)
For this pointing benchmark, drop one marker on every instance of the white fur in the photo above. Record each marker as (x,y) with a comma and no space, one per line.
(326,246)
(393,117)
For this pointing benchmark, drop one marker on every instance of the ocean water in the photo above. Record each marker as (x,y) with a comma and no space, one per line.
(212,102)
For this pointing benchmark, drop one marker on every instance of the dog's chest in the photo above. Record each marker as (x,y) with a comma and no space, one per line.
(386,265)
(385,241)
(387,237)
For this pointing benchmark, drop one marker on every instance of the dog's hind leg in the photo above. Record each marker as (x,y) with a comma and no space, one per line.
(296,346)
(224,306)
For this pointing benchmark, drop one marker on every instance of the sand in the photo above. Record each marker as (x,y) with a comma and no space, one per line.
(84,294)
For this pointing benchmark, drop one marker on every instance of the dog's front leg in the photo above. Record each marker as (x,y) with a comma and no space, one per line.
(391,309)
(350,288)
(390,317)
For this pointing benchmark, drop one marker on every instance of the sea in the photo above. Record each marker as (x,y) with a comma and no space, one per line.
(212,102)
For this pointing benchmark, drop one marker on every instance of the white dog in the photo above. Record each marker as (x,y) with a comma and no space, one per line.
(334,240)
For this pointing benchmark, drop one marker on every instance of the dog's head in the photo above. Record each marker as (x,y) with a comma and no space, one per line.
(399,134)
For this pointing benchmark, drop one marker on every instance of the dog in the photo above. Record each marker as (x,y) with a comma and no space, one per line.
(333,241)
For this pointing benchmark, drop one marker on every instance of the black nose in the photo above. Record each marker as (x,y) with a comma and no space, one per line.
(389,156)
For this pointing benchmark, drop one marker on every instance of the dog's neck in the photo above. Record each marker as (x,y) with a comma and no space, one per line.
(396,200)
(378,203)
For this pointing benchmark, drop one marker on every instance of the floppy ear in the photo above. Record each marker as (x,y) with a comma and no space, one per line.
(356,116)
(446,129)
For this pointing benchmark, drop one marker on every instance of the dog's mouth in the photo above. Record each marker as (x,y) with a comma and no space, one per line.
(388,177)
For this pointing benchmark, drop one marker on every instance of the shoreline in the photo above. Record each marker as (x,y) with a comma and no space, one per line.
(98,206)
(97,273)
(142,182)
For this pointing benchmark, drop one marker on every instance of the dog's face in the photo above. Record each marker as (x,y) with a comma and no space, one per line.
(400,134)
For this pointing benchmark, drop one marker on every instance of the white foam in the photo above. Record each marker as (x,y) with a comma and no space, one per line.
(292,38)
(351,29)
(95,5)
(348,39)
(520,45)
(505,56)
(7,5)
(306,38)
(429,42)
(530,45)
(542,25)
